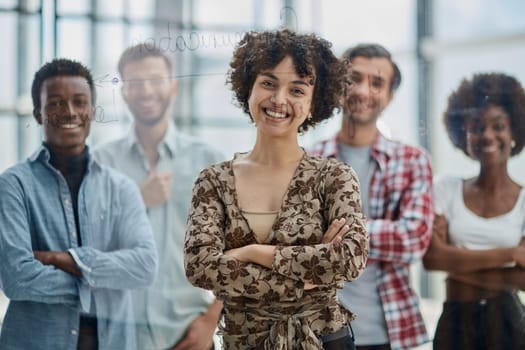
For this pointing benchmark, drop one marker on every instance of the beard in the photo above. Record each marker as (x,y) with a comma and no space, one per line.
(151,121)
(149,118)
(360,112)
(362,117)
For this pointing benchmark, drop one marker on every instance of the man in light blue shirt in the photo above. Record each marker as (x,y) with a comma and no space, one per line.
(171,314)
(74,237)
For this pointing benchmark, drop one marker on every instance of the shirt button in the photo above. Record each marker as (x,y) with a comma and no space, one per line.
(66,201)
(74,332)
(73,233)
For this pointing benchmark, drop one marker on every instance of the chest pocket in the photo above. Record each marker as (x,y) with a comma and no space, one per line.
(103,221)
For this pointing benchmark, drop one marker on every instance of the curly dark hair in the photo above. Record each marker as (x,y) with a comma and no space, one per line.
(311,55)
(473,96)
(60,67)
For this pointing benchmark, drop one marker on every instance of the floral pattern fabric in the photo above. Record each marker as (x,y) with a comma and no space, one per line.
(269,308)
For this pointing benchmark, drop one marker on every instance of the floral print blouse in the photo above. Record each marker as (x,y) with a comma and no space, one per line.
(269,308)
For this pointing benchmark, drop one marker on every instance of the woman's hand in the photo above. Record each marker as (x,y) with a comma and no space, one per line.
(432,260)
(519,254)
(261,254)
(440,229)
(238,253)
(336,231)
(334,234)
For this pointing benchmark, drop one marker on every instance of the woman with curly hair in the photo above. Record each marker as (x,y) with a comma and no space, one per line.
(274,232)
(479,230)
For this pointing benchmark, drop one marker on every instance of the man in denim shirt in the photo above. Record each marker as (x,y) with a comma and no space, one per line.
(74,236)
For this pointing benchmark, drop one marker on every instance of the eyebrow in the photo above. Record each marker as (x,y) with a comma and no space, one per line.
(58,96)
(479,120)
(499,116)
(298,82)
(374,76)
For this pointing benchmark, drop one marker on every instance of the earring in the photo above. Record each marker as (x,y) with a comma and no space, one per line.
(512,144)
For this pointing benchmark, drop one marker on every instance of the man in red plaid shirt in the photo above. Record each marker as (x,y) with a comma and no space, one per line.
(396,192)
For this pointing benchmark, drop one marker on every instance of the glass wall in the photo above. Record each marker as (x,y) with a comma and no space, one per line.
(200,36)
(472,36)
(461,37)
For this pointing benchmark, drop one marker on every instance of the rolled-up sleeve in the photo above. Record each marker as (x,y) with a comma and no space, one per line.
(133,263)
(405,237)
(22,276)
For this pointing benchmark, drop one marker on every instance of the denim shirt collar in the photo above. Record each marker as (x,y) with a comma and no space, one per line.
(169,142)
(42,154)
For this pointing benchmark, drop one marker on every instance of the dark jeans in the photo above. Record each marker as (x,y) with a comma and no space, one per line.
(373,347)
(487,324)
(340,340)
(87,334)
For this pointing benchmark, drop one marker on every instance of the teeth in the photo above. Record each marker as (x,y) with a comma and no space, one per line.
(69,126)
(489,149)
(276,114)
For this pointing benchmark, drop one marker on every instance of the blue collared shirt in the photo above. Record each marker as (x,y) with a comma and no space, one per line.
(164,311)
(117,254)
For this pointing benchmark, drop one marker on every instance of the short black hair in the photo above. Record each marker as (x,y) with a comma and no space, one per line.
(371,50)
(139,52)
(259,51)
(475,95)
(60,67)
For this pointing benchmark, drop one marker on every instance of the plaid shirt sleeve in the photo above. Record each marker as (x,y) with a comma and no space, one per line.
(325,148)
(401,207)
(401,214)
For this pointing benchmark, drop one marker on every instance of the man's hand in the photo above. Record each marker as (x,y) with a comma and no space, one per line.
(155,190)
(199,335)
(60,260)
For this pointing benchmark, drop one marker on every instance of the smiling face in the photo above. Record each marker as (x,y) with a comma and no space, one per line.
(370,92)
(280,99)
(148,89)
(489,136)
(65,113)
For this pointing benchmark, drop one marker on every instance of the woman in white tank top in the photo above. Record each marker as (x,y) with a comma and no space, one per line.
(478,234)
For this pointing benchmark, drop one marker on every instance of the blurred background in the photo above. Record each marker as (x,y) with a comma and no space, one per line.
(435,42)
